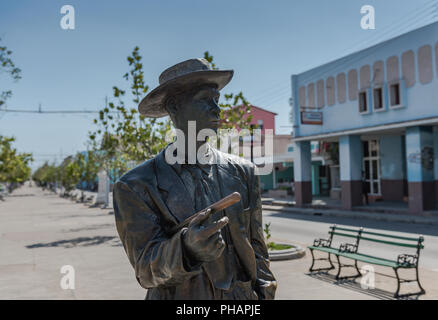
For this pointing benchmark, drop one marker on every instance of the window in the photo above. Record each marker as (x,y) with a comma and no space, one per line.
(378,98)
(425,68)
(395,94)
(392,72)
(341,87)
(302,96)
(363,103)
(311,95)
(352,85)
(408,68)
(330,86)
(320,94)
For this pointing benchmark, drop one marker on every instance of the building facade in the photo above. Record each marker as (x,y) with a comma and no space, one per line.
(380,106)
(282,175)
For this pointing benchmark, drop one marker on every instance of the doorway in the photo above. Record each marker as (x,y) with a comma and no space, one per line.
(371,166)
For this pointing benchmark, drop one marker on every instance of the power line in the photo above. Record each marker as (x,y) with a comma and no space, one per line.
(51,111)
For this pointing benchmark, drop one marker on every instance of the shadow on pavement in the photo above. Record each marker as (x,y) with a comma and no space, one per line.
(95,227)
(355,286)
(81,241)
(319,216)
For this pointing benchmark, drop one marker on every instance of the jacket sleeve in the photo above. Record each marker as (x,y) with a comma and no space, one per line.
(158,260)
(266,284)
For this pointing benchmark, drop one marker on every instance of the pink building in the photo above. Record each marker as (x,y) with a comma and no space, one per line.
(264,118)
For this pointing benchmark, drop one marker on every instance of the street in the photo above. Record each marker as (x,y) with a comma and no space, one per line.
(299,228)
(40,233)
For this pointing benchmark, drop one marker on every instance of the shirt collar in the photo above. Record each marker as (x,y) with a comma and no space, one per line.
(206,168)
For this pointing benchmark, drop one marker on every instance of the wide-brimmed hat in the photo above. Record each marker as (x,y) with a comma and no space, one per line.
(184,74)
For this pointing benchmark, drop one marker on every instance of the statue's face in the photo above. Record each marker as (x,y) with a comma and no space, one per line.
(199,105)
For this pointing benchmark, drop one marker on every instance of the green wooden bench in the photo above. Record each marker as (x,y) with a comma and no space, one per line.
(352,251)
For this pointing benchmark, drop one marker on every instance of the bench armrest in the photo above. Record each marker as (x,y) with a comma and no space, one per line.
(407,259)
(348,247)
(322,243)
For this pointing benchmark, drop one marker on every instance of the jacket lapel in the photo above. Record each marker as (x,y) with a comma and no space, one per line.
(175,195)
(229,182)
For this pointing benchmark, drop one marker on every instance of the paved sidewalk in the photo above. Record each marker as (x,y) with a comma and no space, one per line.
(394,217)
(40,232)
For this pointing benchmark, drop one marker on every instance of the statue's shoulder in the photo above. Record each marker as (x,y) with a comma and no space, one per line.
(143,174)
(231,161)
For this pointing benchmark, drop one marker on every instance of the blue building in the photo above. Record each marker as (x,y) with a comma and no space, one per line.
(380,105)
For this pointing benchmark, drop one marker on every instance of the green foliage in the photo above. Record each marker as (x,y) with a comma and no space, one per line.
(267,230)
(7,66)
(88,165)
(122,134)
(14,166)
(278,246)
(82,167)
(46,174)
(270,244)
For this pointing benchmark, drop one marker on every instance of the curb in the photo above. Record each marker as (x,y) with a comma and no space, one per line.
(289,254)
(354,215)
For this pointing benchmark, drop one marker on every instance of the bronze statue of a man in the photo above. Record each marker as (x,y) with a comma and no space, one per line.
(219,255)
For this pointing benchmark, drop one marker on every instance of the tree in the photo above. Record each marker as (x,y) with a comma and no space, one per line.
(123,135)
(14,166)
(87,166)
(7,66)
(46,174)
(71,175)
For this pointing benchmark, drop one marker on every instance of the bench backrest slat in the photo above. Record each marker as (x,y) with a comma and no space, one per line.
(343,234)
(390,236)
(409,245)
(359,233)
(347,229)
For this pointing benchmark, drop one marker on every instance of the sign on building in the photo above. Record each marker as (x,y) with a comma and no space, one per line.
(311,117)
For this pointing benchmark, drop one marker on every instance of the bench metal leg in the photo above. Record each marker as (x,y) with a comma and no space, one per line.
(422,291)
(311,269)
(338,277)
(399,281)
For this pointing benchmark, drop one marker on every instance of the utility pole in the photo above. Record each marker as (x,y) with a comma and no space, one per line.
(252,142)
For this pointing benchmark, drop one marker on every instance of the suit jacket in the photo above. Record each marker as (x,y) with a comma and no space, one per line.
(151,198)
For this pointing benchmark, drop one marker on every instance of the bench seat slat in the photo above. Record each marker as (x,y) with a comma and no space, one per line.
(361,257)
(373,260)
(325,249)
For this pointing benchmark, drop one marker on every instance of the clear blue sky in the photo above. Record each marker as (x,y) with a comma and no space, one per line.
(263,41)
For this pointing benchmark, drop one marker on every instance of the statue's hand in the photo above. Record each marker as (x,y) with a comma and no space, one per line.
(204,242)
